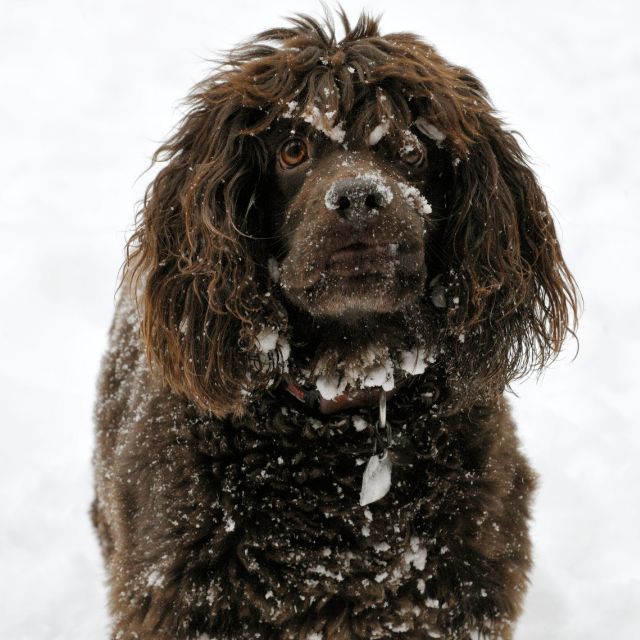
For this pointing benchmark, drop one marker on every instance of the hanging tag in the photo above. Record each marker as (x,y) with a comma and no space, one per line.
(376,480)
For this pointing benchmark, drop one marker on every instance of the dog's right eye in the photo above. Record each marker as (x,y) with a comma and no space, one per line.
(293,153)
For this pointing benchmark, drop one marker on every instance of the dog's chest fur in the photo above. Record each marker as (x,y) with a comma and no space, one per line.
(256,521)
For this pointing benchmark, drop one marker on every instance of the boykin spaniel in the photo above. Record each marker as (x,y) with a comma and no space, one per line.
(302,433)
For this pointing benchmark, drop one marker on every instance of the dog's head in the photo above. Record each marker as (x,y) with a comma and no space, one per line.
(345,181)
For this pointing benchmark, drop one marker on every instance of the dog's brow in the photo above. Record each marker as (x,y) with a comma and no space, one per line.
(293,126)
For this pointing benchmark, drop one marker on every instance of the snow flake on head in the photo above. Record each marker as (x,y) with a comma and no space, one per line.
(378,133)
(324,122)
(430,130)
(292,107)
(321,120)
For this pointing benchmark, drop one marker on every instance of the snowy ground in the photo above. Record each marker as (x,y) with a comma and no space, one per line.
(88,90)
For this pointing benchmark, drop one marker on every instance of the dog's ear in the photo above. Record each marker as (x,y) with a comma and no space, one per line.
(200,287)
(514,299)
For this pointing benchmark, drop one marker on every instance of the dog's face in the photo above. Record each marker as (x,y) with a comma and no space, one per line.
(352,222)
(327,157)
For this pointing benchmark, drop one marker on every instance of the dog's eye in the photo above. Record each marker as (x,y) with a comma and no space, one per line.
(293,152)
(412,154)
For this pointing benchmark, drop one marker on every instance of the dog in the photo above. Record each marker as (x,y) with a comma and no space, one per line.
(301,424)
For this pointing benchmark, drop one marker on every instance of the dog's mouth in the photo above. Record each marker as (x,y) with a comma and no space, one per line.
(361,258)
(356,276)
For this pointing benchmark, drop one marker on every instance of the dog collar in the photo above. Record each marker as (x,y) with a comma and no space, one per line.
(313,399)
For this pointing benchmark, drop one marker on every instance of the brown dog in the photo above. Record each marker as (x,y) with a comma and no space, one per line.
(338,224)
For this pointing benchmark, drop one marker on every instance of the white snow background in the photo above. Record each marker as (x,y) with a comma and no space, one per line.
(87,91)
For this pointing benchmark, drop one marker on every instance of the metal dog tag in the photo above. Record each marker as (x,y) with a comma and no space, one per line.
(376,480)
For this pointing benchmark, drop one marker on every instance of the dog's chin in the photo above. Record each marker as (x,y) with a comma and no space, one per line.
(350,297)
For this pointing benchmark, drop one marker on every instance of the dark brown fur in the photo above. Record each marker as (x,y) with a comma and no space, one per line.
(225,508)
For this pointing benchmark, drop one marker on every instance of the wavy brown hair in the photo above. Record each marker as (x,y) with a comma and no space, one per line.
(198,254)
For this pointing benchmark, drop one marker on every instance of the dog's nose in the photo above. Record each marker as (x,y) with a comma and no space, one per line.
(359,199)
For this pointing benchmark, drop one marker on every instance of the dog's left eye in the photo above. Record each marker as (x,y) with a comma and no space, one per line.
(293,152)
(412,154)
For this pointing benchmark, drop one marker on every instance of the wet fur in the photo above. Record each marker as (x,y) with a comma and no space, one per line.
(225,508)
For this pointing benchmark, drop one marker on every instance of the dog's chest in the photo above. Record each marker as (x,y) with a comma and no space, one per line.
(290,488)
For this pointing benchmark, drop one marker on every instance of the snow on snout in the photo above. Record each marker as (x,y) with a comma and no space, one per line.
(414,198)
(364,184)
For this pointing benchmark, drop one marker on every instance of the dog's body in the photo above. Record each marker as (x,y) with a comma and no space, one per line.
(335,218)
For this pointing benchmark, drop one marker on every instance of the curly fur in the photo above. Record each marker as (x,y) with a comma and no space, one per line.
(226,509)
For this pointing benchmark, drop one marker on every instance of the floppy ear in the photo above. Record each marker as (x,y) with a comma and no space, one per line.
(515,299)
(200,290)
